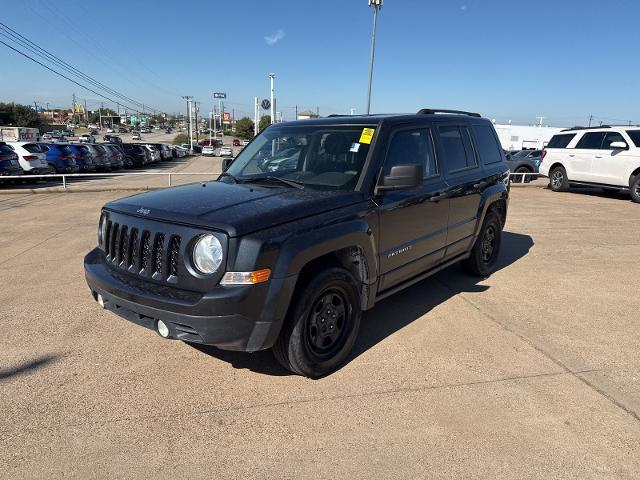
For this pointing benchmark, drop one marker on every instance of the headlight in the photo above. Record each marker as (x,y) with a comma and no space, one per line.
(102,230)
(207,254)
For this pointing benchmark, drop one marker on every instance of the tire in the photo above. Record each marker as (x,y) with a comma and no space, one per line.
(558,181)
(486,249)
(305,345)
(634,189)
(523,178)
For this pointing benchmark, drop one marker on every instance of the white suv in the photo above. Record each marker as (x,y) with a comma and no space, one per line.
(31,157)
(607,157)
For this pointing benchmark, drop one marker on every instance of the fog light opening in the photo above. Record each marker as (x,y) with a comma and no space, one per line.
(162,329)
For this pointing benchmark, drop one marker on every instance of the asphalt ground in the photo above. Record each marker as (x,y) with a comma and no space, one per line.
(530,373)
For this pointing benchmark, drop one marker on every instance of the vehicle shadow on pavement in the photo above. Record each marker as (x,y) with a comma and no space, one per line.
(403,308)
(27,367)
(393,313)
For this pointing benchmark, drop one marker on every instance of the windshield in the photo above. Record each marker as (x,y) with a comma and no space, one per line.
(320,156)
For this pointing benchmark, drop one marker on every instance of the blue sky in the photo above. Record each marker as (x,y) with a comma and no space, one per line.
(508,59)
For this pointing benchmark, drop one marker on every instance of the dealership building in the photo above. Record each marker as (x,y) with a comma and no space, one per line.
(521,137)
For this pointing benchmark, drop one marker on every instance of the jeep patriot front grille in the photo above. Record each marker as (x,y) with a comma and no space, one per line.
(144,253)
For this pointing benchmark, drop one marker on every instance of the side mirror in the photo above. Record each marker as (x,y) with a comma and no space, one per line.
(619,146)
(402,177)
(226,162)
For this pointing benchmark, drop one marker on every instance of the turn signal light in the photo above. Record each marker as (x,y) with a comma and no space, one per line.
(246,278)
(543,154)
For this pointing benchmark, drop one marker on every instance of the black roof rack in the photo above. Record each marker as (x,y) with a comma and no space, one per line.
(431,111)
(585,128)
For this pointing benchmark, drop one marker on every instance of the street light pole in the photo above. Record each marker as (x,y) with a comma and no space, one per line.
(377,5)
(273,120)
(188,98)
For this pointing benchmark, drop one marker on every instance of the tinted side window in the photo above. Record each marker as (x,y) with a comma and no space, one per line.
(458,152)
(591,140)
(635,136)
(32,148)
(611,137)
(561,141)
(412,147)
(488,147)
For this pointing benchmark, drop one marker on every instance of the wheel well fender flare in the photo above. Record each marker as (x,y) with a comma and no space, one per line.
(496,196)
(301,249)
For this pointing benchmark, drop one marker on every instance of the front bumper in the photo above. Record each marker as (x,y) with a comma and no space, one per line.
(246,318)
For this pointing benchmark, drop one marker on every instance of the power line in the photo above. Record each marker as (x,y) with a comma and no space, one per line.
(60,74)
(50,57)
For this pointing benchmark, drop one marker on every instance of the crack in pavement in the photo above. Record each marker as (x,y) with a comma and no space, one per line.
(540,350)
(13,257)
(315,400)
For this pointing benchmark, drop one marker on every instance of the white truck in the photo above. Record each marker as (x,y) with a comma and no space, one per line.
(19,134)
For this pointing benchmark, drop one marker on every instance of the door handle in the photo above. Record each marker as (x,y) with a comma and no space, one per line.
(598,156)
(572,155)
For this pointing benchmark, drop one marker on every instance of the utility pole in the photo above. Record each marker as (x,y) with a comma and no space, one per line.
(296,112)
(222,119)
(195,110)
(86,113)
(73,107)
(101,107)
(188,98)
(256,118)
(273,108)
(590,120)
(377,5)
(541,119)
(210,125)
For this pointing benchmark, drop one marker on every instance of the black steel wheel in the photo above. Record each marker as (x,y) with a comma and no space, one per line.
(484,254)
(326,323)
(322,324)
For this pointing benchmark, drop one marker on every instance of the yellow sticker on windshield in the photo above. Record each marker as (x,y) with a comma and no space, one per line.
(367,135)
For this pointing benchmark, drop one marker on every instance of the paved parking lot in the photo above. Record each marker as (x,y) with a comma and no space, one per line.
(531,373)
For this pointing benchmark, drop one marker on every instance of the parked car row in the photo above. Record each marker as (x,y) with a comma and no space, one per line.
(42,158)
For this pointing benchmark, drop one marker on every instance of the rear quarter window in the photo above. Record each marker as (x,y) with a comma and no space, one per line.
(561,141)
(457,148)
(635,137)
(489,149)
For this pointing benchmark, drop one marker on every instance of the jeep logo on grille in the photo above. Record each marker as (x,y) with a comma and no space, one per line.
(144,211)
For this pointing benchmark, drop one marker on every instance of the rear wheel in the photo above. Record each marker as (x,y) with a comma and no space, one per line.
(485,252)
(558,180)
(523,178)
(322,325)
(634,188)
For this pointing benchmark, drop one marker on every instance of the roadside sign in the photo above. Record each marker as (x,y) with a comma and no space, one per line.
(219,95)
(266,104)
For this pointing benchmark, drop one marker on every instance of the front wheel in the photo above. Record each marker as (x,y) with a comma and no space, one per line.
(485,252)
(634,188)
(322,325)
(558,180)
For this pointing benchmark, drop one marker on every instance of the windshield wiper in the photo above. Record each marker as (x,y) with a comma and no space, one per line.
(291,183)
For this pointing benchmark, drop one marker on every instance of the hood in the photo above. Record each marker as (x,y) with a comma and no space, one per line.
(237,209)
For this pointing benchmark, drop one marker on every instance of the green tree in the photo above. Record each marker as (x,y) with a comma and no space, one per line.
(20,116)
(265,121)
(106,112)
(245,127)
(180,139)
